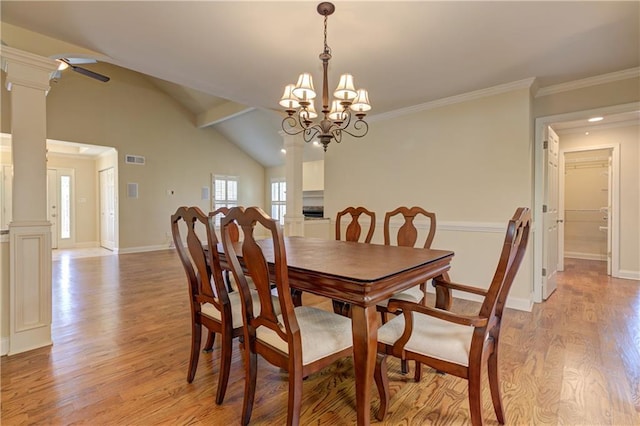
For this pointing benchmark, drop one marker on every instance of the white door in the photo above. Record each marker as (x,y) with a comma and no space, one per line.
(60,196)
(609,213)
(107,209)
(52,205)
(550,214)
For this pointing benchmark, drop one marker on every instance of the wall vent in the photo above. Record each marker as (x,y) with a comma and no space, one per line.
(134,159)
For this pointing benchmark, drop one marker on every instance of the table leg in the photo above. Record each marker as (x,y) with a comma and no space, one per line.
(364,325)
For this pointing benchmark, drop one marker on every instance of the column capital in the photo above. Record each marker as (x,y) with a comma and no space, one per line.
(27,69)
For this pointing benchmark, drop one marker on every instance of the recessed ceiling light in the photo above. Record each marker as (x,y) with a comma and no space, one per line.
(284,151)
(586,133)
(316,143)
(594,119)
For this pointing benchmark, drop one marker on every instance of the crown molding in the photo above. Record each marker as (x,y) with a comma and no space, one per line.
(451,100)
(589,81)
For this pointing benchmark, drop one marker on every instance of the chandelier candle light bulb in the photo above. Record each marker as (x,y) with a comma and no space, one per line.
(298,102)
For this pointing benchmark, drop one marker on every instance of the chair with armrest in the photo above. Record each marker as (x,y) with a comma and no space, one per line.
(452,343)
(300,340)
(211,304)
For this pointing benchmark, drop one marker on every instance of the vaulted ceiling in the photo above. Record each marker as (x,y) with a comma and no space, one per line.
(237,55)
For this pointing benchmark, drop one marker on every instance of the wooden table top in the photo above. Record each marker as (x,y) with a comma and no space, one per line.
(353,272)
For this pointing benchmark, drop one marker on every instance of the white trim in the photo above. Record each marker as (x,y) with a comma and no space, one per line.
(4,346)
(491,227)
(4,237)
(589,81)
(465,97)
(585,256)
(629,275)
(540,124)
(142,249)
(516,303)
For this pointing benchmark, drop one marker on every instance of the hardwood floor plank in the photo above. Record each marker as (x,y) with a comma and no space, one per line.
(121,333)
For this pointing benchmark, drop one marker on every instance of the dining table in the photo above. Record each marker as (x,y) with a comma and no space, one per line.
(360,275)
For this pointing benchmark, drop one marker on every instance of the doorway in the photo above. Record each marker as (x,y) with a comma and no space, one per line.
(540,249)
(60,208)
(586,193)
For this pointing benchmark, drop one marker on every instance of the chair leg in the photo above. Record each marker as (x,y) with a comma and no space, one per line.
(250,369)
(196,340)
(295,395)
(418,373)
(404,366)
(225,366)
(208,347)
(382,383)
(475,395)
(494,383)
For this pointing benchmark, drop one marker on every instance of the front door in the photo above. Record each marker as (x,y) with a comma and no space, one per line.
(550,213)
(52,205)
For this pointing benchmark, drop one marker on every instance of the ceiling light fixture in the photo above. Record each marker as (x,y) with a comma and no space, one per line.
(594,119)
(337,116)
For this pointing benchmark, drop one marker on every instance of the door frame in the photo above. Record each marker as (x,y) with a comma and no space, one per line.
(538,193)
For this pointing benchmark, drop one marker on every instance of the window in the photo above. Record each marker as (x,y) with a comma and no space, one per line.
(278,199)
(225,192)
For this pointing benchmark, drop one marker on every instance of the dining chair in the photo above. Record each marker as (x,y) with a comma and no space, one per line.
(211,304)
(407,236)
(354,228)
(300,340)
(453,343)
(353,232)
(234,234)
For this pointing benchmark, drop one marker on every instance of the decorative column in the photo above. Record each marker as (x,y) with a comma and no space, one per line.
(293,220)
(28,78)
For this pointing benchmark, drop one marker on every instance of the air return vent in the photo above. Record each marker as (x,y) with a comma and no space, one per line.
(134,159)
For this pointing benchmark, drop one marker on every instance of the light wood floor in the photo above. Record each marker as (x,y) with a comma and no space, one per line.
(121,332)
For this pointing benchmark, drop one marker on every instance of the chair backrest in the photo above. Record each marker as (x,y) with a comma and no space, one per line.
(408,233)
(513,250)
(234,232)
(354,229)
(254,257)
(202,266)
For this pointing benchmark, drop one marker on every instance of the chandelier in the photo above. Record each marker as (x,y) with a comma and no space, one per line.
(298,102)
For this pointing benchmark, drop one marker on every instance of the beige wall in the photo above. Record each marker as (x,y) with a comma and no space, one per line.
(586,98)
(470,162)
(130,114)
(85,197)
(629,139)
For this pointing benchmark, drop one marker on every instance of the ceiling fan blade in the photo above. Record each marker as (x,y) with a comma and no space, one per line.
(89,73)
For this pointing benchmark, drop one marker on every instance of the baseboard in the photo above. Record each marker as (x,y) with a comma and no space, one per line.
(89,244)
(628,275)
(143,249)
(4,346)
(585,256)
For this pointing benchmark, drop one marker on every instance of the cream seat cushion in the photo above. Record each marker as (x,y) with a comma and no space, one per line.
(413,294)
(322,333)
(431,337)
(236,308)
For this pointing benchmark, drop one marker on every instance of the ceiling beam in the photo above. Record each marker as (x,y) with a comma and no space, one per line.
(220,113)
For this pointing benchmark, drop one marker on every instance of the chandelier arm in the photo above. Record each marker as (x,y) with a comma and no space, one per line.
(310,133)
(290,126)
(359,129)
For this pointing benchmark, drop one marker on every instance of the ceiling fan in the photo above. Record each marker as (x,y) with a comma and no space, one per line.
(73,64)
